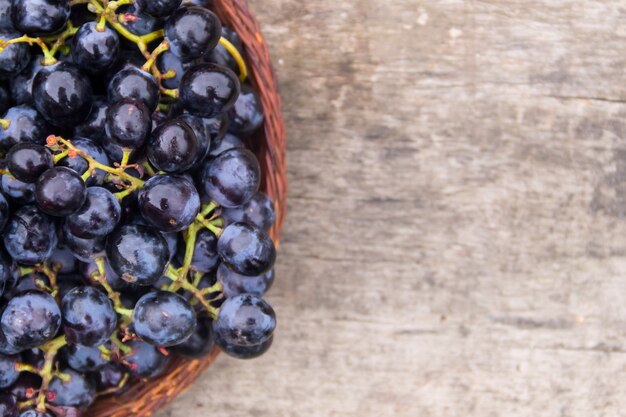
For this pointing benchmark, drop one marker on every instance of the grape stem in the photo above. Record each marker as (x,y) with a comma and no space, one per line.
(243,70)
(114,296)
(174,275)
(51,349)
(48,56)
(5,123)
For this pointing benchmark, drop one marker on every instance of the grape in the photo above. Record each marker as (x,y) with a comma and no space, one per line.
(200,343)
(34,413)
(205,257)
(246,116)
(244,320)
(244,352)
(170,203)
(40,17)
(207,90)
(145,360)
(232,178)
(30,236)
(60,192)
(143,24)
(158,8)
(85,358)
(5,20)
(62,94)
(138,254)
(83,249)
(128,123)
(7,269)
(88,316)
(173,147)
(26,125)
(109,376)
(78,391)
(18,192)
(225,143)
(4,213)
(98,216)
(93,127)
(258,211)
(27,161)
(15,57)
(8,373)
(192,31)
(80,165)
(30,320)
(63,259)
(246,249)
(168,61)
(220,56)
(163,319)
(8,405)
(22,84)
(135,84)
(235,284)
(95,50)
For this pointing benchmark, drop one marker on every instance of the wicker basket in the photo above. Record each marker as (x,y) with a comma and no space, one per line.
(145,398)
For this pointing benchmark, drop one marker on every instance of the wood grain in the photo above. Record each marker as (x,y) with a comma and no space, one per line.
(456,240)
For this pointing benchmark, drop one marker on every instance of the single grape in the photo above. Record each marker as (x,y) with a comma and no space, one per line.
(134,83)
(30,282)
(128,123)
(169,202)
(85,358)
(98,216)
(205,257)
(246,116)
(95,50)
(22,84)
(110,376)
(163,319)
(258,211)
(31,319)
(5,20)
(34,413)
(200,343)
(204,139)
(60,191)
(192,31)
(88,316)
(173,146)
(232,178)
(145,360)
(93,127)
(225,143)
(25,125)
(27,161)
(83,249)
(244,320)
(138,254)
(40,17)
(167,61)
(207,90)
(8,373)
(62,94)
(141,24)
(244,352)
(80,164)
(235,284)
(8,405)
(15,57)
(77,391)
(17,191)
(158,8)
(246,249)
(30,236)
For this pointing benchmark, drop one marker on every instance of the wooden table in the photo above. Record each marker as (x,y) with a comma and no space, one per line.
(456,241)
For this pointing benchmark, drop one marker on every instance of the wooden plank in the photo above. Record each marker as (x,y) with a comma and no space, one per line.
(456,239)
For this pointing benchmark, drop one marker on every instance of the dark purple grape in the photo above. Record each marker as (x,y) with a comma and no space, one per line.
(200,343)
(134,83)
(167,61)
(26,125)
(207,90)
(30,236)
(138,254)
(163,319)
(98,216)
(18,192)
(205,257)
(93,127)
(244,320)
(158,8)
(220,56)
(62,94)
(84,249)
(78,391)
(85,358)
(22,84)
(31,319)
(60,192)
(225,143)
(204,139)
(173,147)
(88,316)
(63,260)
(95,50)
(8,373)
(258,211)
(8,405)
(192,31)
(169,202)
(14,58)
(246,249)
(27,161)
(235,284)
(246,116)
(111,375)
(40,17)
(80,164)
(29,282)
(5,20)
(232,178)
(141,24)
(128,123)
(145,360)
(244,352)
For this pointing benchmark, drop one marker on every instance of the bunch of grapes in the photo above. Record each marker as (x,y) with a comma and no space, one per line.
(133,228)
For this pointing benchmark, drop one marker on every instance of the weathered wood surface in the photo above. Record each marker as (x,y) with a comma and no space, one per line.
(456,240)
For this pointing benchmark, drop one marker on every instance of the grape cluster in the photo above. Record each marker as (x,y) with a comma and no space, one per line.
(133,228)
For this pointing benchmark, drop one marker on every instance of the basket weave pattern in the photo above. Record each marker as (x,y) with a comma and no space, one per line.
(145,398)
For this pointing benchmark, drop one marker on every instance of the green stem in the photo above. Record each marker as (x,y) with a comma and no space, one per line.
(60,156)
(5,123)
(163,46)
(243,70)
(49,58)
(51,349)
(61,38)
(206,210)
